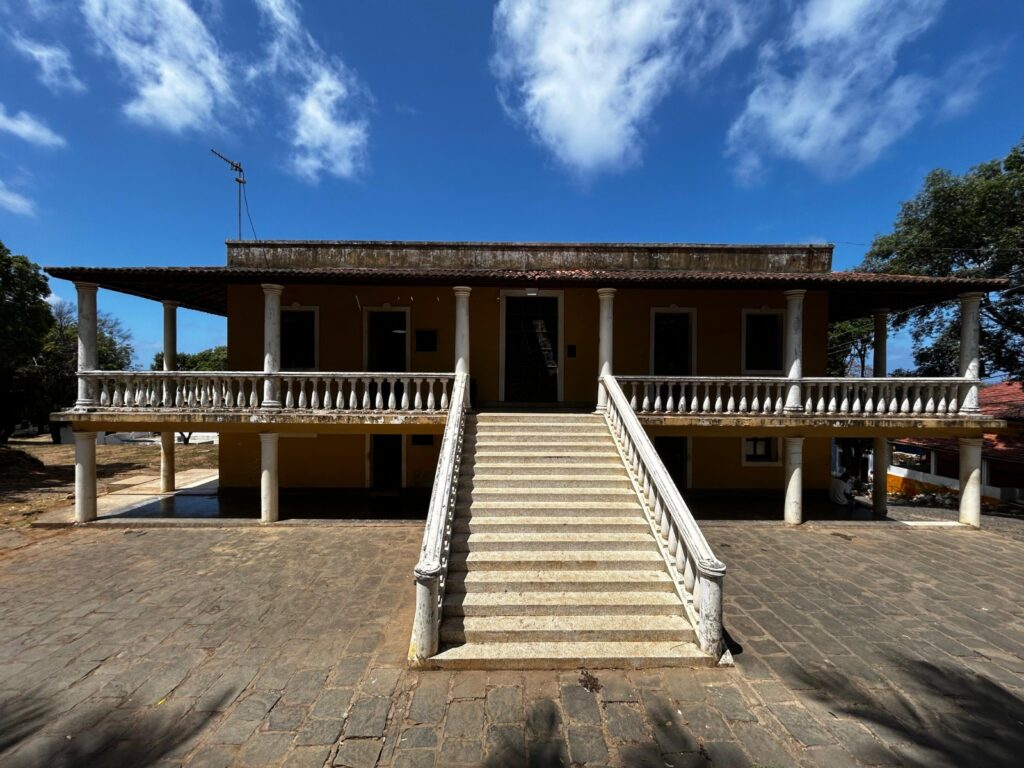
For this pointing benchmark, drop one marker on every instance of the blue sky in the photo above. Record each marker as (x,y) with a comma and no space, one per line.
(650,120)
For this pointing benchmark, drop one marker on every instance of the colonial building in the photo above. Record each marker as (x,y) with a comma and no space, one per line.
(559,400)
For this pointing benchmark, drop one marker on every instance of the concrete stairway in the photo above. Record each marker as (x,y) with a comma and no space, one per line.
(553,562)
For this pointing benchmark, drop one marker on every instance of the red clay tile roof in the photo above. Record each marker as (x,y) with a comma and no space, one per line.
(851,294)
(995,447)
(1003,401)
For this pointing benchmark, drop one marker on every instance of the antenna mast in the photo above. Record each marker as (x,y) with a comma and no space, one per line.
(240,180)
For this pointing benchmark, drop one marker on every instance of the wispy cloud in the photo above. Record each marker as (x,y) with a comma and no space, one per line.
(30,129)
(585,75)
(56,71)
(173,63)
(328,133)
(14,202)
(964,82)
(829,95)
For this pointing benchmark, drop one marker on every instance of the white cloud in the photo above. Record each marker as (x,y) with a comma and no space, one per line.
(327,134)
(585,75)
(962,84)
(829,95)
(168,55)
(56,71)
(15,203)
(29,128)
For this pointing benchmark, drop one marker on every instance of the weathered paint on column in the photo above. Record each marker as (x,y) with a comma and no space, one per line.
(709,630)
(271,343)
(268,477)
(970,481)
(88,354)
(462,328)
(85,476)
(794,450)
(605,341)
(879,491)
(427,620)
(970,356)
(167,480)
(793,347)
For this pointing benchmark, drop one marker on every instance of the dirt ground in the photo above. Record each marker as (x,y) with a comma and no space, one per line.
(37,476)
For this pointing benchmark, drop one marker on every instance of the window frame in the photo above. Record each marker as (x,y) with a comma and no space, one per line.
(675,310)
(745,462)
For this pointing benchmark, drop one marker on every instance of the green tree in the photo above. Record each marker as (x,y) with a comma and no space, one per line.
(849,342)
(970,225)
(24,321)
(212,359)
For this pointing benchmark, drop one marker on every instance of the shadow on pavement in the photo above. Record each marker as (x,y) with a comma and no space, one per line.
(950,715)
(30,735)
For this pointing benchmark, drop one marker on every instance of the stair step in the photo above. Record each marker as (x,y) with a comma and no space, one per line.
(540,524)
(511,510)
(517,582)
(547,492)
(561,448)
(543,457)
(629,655)
(533,629)
(492,417)
(606,560)
(491,542)
(473,466)
(598,481)
(554,506)
(567,603)
(562,435)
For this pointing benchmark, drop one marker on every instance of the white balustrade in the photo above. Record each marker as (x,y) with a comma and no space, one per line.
(244,390)
(751,396)
(698,573)
(431,572)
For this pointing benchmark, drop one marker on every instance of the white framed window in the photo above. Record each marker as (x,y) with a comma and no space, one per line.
(300,338)
(673,349)
(761,452)
(761,347)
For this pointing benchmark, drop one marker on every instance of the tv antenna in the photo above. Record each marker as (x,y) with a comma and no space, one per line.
(240,180)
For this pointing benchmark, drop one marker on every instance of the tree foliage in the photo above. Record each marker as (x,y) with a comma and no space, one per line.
(849,344)
(24,322)
(970,225)
(212,359)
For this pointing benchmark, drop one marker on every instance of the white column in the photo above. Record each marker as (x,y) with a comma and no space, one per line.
(970,481)
(167,482)
(793,347)
(970,359)
(794,509)
(605,341)
(879,491)
(268,477)
(462,328)
(271,343)
(88,355)
(85,476)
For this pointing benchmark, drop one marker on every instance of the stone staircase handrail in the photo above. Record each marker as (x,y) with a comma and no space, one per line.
(431,570)
(702,574)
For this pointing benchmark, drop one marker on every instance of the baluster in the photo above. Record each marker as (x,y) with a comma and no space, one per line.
(444,394)
(755,404)
(673,540)
(695,402)
(844,405)
(303,400)
(214,393)
(647,398)
(688,575)
(289,396)
(670,403)
(190,393)
(353,395)
(391,394)
(954,403)
(680,555)
(880,400)
(682,398)
(820,406)
(706,405)
(405,396)
(632,399)
(930,405)
(417,402)
(730,406)
(780,403)
(718,398)
(657,397)
(255,391)
(204,394)
(697,589)
(378,402)
(905,402)
(856,399)
(869,399)
(941,407)
(339,401)
(918,404)
(431,403)
(366,394)
(743,398)
(894,405)
(314,400)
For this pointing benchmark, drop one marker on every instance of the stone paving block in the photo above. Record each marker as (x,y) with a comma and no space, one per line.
(730,703)
(547,753)
(381,681)
(286,717)
(761,745)
(465,720)
(580,705)
(586,745)
(266,748)
(305,686)
(705,722)
(615,686)
(418,737)
(332,703)
(461,752)
(726,754)
(430,698)
(543,720)
(416,758)
(505,704)
(801,725)
(625,722)
(307,757)
(368,718)
(214,756)
(505,745)
(319,732)
(349,671)
(469,685)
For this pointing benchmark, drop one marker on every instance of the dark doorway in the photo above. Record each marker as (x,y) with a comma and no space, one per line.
(386,462)
(673,340)
(531,349)
(386,335)
(673,453)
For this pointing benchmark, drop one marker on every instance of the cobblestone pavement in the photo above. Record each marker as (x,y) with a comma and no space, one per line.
(858,646)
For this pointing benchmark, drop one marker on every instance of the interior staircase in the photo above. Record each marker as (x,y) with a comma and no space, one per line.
(553,563)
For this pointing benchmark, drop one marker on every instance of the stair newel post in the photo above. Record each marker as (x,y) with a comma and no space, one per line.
(709,630)
(427,622)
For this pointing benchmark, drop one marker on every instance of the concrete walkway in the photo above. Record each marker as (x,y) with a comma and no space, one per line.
(203,647)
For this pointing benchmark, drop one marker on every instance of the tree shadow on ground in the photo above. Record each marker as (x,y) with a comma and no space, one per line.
(948,715)
(22,472)
(116,738)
